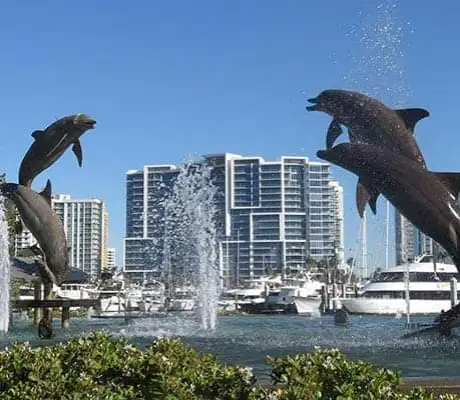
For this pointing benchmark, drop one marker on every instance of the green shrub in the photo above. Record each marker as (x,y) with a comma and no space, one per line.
(329,374)
(100,366)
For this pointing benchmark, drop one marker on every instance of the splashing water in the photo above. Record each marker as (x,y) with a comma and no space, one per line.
(377,62)
(190,238)
(4,271)
(379,46)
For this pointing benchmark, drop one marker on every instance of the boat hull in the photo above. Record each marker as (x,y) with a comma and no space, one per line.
(307,306)
(394,306)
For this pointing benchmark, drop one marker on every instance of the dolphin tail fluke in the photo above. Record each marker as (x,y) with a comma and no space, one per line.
(451,180)
(333,132)
(76,148)
(366,195)
(411,116)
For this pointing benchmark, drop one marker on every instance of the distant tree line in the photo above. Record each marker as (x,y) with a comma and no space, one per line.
(328,267)
(11,215)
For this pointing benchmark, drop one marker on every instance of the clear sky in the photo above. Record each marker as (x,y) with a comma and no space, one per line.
(168,79)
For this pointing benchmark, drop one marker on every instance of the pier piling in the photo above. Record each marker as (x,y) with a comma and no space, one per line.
(65,316)
(453,292)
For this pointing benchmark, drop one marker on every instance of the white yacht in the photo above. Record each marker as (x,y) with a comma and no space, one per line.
(153,296)
(302,294)
(75,291)
(250,296)
(429,290)
(182,299)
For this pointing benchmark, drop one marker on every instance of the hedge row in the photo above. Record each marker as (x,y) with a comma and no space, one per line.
(101,366)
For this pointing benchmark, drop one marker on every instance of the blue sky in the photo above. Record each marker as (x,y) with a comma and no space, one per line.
(168,79)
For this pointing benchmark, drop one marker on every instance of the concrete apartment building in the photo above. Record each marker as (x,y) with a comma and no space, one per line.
(86,228)
(271,215)
(111,258)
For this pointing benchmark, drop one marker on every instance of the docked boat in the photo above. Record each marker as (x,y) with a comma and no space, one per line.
(283,297)
(385,294)
(182,299)
(308,305)
(75,291)
(298,295)
(251,296)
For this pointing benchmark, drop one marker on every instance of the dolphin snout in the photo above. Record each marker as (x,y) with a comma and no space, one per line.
(314,107)
(85,120)
(321,154)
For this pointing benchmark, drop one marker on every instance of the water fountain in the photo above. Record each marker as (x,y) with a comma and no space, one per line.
(4,270)
(190,237)
(376,67)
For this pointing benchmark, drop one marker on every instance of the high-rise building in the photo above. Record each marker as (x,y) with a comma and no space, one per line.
(85,227)
(111,258)
(409,241)
(145,192)
(24,240)
(271,215)
(337,198)
(105,241)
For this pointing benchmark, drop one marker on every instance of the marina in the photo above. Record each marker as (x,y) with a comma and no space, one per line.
(249,339)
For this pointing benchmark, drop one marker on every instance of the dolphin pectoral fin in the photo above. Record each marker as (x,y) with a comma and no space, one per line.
(451,180)
(366,195)
(76,148)
(36,134)
(31,251)
(333,132)
(36,250)
(373,202)
(411,116)
(46,273)
(46,192)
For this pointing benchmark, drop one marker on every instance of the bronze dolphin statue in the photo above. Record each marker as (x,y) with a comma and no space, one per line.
(51,143)
(45,225)
(370,121)
(427,199)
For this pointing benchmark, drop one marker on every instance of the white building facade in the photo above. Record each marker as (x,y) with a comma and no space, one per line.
(272,215)
(85,227)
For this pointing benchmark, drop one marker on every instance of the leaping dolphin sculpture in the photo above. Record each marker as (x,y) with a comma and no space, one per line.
(427,199)
(370,121)
(45,225)
(51,143)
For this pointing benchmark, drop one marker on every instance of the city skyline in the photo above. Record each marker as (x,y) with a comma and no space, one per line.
(164,81)
(408,241)
(270,214)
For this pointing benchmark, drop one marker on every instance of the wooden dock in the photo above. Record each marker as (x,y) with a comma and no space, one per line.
(47,304)
(55,303)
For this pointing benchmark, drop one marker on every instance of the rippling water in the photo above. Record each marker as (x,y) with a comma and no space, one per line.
(249,339)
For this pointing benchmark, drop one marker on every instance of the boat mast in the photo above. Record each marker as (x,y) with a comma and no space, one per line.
(407,281)
(364,246)
(387,235)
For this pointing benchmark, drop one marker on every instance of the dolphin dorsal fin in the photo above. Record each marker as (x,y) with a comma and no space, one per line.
(411,116)
(37,134)
(366,194)
(451,180)
(46,192)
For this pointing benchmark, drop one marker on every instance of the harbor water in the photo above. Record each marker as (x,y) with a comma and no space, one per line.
(249,339)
